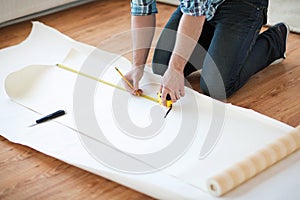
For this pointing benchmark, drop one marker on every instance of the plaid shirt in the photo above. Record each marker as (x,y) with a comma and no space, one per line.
(189,7)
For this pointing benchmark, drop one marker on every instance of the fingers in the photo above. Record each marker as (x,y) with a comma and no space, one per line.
(177,95)
(137,91)
(160,89)
(174,95)
(182,92)
(165,92)
(136,85)
(132,79)
(132,85)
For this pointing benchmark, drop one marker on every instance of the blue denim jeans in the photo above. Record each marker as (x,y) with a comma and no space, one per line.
(231,48)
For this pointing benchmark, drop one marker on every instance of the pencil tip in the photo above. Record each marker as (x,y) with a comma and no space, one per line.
(32,125)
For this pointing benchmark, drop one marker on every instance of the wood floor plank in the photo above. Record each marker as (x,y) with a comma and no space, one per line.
(28,174)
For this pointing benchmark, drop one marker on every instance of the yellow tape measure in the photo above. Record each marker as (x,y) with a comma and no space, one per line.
(168,100)
(104,82)
(158,100)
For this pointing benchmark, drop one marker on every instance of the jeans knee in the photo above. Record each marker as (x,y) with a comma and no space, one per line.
(204,87)
(160,61)
(215,90)
(158,69)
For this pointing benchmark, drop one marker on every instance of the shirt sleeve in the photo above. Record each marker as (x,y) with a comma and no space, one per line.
(193,7)
(143,7)
(200,7)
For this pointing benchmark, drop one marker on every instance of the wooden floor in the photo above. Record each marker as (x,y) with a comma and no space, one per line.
(28,174)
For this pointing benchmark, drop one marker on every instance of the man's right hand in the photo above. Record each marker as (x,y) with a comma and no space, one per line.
(134,76)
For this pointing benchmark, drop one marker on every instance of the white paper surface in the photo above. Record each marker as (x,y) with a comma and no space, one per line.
(33,81)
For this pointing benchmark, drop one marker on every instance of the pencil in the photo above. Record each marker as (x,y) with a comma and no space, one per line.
(125,79)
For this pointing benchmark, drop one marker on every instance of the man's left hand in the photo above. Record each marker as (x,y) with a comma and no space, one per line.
(172,84)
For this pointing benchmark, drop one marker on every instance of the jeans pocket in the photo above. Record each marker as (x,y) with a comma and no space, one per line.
(239,16)
(259,5)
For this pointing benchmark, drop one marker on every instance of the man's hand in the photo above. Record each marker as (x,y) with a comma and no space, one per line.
(134,76)
(189,31)
(172,84)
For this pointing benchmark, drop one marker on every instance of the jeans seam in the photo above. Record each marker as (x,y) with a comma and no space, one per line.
(237,84)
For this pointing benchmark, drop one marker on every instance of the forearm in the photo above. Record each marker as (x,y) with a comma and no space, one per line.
(143,28)
(189,31)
